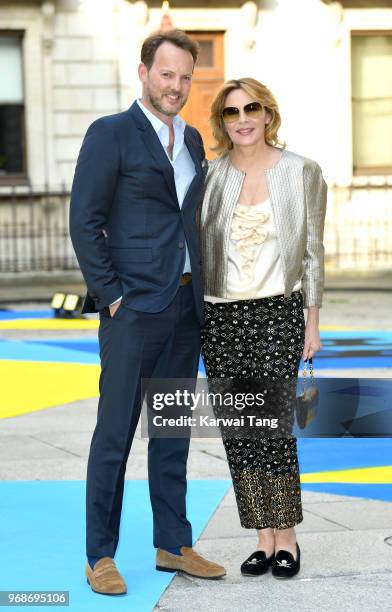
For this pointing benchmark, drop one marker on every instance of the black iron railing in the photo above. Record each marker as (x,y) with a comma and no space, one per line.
(358,229)
(34,234)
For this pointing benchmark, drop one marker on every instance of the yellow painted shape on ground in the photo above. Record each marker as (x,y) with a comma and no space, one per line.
(364,475)
(53,324)
(49,324)
(93,324)
(27,386)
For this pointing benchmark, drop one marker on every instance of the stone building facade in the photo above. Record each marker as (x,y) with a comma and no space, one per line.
(66,62)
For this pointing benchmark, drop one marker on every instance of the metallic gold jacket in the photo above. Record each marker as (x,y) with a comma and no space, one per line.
(298,195)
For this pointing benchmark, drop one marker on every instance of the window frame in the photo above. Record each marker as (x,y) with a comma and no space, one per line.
(19,178)
(366,170)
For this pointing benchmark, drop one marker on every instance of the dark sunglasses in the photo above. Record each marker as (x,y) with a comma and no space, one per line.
(251,110)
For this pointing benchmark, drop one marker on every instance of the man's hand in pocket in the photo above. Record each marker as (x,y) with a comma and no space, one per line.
(114,307)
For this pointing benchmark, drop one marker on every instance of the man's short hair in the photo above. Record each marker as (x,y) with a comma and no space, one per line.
(175,37)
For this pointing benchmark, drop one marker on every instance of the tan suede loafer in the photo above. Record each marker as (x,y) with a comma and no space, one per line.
(105,578)
(190,562)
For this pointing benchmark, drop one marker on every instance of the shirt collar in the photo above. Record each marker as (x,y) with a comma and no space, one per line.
(178,122)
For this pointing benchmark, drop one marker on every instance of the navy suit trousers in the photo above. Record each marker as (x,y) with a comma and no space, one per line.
(135,345)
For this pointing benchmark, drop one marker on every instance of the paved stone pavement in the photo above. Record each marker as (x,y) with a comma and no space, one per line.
(346,555)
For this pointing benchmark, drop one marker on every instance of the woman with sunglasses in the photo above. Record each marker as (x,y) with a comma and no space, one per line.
(261,227)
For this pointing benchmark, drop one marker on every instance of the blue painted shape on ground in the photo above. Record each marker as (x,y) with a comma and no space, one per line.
(26,314)
(357,407)
(202,369)
(382,492)
(86,345)
(367,391)
(376,334)
(327,454)
(336,350)
(340,363)
(49,540)
(86,350)
(91,345)
(34,351)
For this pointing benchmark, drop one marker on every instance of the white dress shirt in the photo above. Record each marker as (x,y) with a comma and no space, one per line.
(183,166)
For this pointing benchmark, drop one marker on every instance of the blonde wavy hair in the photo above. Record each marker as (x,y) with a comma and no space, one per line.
(259,93)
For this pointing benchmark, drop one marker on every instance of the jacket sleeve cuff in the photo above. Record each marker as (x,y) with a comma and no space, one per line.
(107,296)
(309,301)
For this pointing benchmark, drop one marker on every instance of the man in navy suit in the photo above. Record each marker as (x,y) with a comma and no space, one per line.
(137,185)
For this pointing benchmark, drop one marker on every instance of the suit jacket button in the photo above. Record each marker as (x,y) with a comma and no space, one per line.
(181,244)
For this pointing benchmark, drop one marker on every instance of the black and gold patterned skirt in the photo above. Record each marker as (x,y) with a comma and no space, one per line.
(256,340)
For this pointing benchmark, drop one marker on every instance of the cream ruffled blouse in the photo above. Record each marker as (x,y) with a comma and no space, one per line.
(254,266)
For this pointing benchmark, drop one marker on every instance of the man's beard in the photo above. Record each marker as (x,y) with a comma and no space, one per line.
(155,103)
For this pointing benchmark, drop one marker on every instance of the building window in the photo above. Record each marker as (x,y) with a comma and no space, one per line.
(372,102)
(12,133)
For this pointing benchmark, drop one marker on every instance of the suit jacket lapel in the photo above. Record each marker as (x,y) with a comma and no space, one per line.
(197,179)
(191,146)
(154,145)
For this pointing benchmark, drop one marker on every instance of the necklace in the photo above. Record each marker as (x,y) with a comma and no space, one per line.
(249,195)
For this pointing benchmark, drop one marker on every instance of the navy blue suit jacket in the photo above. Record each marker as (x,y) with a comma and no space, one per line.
(124,184)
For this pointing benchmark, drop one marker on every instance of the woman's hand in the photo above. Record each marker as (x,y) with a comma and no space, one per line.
(312,342)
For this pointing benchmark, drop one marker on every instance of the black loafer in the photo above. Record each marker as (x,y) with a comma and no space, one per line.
(284,565)
(257,564)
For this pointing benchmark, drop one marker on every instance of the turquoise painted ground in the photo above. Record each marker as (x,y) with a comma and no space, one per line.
(42,533)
